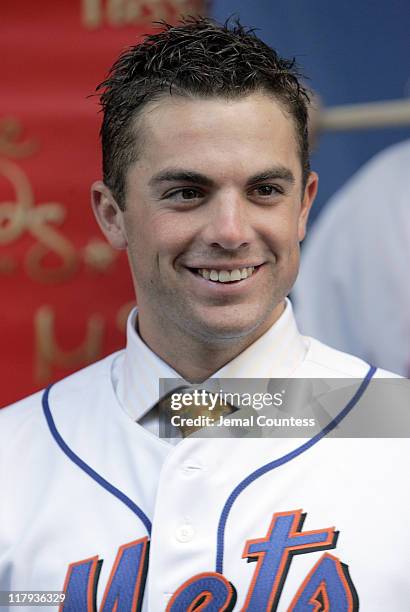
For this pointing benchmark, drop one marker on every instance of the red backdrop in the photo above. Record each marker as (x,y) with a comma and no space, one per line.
(65,293)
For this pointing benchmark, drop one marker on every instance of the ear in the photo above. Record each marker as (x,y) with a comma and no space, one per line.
(109,215)
(307,201)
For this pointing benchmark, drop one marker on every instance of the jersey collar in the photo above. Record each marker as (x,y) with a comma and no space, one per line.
(276,354)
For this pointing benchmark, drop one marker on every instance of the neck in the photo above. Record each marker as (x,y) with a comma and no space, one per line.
(195,358)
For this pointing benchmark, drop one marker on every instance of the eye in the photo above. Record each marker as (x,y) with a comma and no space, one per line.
(266,190)
(187,193)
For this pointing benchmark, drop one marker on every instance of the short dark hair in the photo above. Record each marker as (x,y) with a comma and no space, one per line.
(198,58)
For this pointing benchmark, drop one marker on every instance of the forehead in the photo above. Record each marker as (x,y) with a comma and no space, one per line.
(217,136)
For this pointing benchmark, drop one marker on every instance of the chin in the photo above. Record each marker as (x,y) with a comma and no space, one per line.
(215,329)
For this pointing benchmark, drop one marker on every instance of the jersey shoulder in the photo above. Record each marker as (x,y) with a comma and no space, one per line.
(323,361)
(15,418)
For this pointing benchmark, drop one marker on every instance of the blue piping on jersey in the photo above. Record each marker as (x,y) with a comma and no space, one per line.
(235,493)
(278,462)
(87,469)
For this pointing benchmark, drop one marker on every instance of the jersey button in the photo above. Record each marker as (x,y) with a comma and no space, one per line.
(184,533)
(191,468)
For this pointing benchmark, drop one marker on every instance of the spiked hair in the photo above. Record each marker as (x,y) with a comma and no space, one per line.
(197,58)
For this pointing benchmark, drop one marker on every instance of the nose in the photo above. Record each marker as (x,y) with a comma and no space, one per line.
(228,224)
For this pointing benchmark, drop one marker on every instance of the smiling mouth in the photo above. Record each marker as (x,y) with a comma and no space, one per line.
(225,276)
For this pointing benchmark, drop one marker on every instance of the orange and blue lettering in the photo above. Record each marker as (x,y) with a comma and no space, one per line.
(80,585)
(125,588)
(273,555)
(208,592)
(327,587)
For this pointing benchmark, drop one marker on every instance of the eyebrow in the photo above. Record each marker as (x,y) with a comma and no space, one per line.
(275,173)
(177,175)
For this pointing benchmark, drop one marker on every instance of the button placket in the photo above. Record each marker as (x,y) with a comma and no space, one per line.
(185,533)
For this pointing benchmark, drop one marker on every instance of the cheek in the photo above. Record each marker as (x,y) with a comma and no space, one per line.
(172,233)
(281,233)
(147,235)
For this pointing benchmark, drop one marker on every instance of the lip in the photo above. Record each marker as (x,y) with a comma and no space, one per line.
(229,267)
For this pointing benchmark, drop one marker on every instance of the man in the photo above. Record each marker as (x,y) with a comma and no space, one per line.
(207,186)
(341,296)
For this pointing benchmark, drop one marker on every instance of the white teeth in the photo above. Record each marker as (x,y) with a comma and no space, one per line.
(226,276)
(235,275)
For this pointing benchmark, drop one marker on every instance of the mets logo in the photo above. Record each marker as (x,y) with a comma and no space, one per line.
(326,588)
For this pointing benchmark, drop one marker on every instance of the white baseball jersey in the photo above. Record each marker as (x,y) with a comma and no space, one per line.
(97,505)
(353,289)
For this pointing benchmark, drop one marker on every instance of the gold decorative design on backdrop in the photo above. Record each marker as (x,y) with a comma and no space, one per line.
(49,354)
(97,13)
(122,315)
(91,13)
(13,214)
(22,215)
(11,144)
(98,255)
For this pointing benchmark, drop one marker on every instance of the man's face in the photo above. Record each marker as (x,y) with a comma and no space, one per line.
(216,195)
